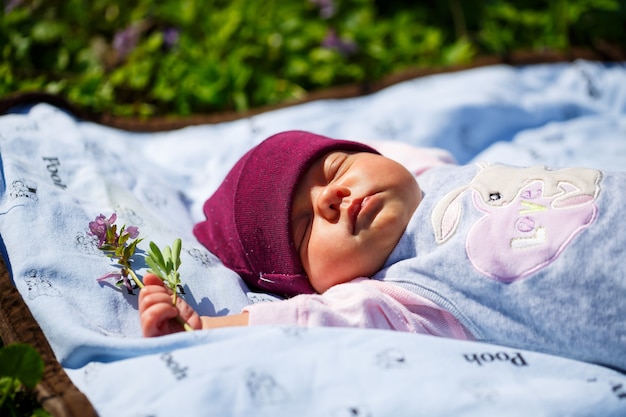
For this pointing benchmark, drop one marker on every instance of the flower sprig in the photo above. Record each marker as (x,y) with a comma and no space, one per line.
(119,246)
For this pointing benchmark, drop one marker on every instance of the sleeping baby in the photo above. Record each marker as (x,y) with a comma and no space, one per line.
(524,257)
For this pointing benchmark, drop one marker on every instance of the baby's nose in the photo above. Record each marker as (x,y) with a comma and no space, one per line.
(329,201)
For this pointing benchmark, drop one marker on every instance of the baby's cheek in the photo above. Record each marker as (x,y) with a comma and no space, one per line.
(330,272)
(321,280)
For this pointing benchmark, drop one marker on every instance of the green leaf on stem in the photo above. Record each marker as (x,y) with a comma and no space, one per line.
(176,249)
(165,264)
(156,255)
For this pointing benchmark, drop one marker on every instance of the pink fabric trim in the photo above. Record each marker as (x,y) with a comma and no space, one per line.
(414,158)
(363,303)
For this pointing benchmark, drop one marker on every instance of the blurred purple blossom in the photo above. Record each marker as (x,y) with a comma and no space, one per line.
(170,37)
(12,5)
(327,8)
(333,41)
(126,40)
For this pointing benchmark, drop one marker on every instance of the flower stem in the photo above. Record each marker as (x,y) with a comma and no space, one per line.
(183,323)
(179,319)
(134,277)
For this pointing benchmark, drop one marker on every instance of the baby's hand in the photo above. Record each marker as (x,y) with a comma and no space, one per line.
(157,313)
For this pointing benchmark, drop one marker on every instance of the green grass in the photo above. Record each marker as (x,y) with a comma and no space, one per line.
(181,57)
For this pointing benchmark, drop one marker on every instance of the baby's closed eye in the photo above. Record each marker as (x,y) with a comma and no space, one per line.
(333,164)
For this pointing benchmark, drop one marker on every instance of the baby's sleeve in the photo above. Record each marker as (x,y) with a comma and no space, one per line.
(359,303)
(345,305)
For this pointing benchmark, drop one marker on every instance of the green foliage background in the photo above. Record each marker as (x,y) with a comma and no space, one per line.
(145,57)
(21,369)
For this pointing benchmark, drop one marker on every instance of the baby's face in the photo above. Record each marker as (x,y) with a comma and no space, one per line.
(349,211)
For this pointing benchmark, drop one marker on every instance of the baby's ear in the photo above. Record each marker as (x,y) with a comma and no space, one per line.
(446,215)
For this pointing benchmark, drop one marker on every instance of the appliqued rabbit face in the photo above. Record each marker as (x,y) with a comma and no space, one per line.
(530,216)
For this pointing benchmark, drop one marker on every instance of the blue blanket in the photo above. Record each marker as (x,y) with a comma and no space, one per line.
(58,173)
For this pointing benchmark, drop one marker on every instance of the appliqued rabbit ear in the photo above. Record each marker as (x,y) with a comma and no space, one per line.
(576,186)
(446,215)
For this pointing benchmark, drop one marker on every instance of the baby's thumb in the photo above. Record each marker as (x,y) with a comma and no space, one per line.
(152,279)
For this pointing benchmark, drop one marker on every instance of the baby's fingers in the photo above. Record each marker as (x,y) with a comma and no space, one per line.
(155,319)
(151,279)
(153,294)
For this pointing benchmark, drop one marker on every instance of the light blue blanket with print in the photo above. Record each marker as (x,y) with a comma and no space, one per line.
(59,173)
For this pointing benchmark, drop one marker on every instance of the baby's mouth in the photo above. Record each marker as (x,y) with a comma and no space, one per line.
(353,211)
(362,211)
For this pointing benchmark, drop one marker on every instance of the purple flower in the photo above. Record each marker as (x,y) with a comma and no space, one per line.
(100,226)
(327,8)
(116,246)
(119,279)
(170,37)
(115,275)
(126,40)
(133,231)
(12,5)
(332,41)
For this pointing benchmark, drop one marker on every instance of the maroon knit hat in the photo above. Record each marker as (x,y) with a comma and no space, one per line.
(248,217)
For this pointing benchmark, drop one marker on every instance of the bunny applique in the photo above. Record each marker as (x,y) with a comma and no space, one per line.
(530,215)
